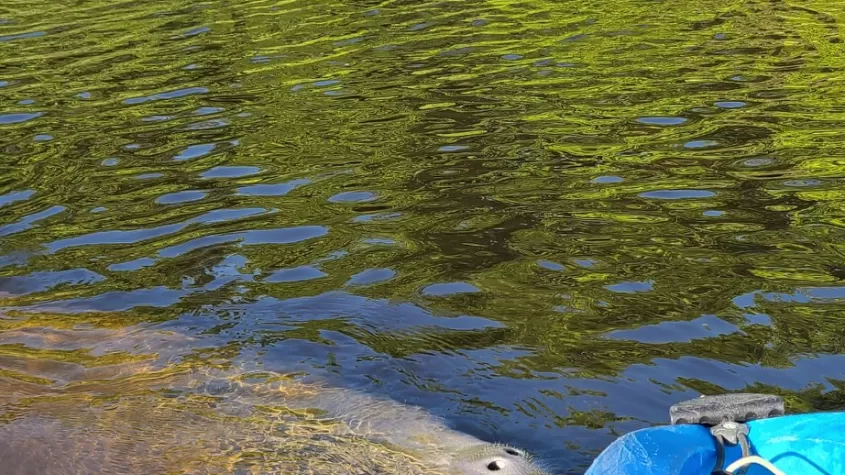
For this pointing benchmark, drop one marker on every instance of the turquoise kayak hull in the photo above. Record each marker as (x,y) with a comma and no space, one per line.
(799,444)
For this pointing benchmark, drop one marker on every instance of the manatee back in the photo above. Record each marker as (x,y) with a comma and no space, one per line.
(150,434)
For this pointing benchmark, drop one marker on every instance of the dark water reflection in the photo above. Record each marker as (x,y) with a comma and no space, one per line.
(544,221)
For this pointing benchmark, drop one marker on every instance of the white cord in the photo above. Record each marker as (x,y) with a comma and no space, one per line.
(752,459)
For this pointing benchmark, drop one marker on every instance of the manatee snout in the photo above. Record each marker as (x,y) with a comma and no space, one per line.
(495,459)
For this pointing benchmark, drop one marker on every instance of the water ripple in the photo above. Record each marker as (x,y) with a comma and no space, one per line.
(18,117)
(603,207)
(166,95)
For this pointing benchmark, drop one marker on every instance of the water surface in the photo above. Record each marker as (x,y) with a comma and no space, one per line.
(544,221)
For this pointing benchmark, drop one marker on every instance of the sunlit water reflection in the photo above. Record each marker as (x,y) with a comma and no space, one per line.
(543,221)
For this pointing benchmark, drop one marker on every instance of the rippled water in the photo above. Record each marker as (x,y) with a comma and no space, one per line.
(544,221)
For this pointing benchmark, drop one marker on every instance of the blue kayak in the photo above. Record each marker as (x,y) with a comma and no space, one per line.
(748,431)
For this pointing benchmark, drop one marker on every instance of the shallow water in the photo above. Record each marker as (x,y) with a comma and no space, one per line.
(543,221)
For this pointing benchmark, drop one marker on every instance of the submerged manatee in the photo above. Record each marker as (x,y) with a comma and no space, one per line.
(407,429)
(181,415)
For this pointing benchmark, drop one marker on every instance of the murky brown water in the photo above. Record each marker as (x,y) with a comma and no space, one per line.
(544,221)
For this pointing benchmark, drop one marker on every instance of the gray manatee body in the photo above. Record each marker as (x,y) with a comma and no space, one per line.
(409,429)
(138,418)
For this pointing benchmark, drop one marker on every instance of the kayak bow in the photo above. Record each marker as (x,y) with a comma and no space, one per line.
(731,434)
